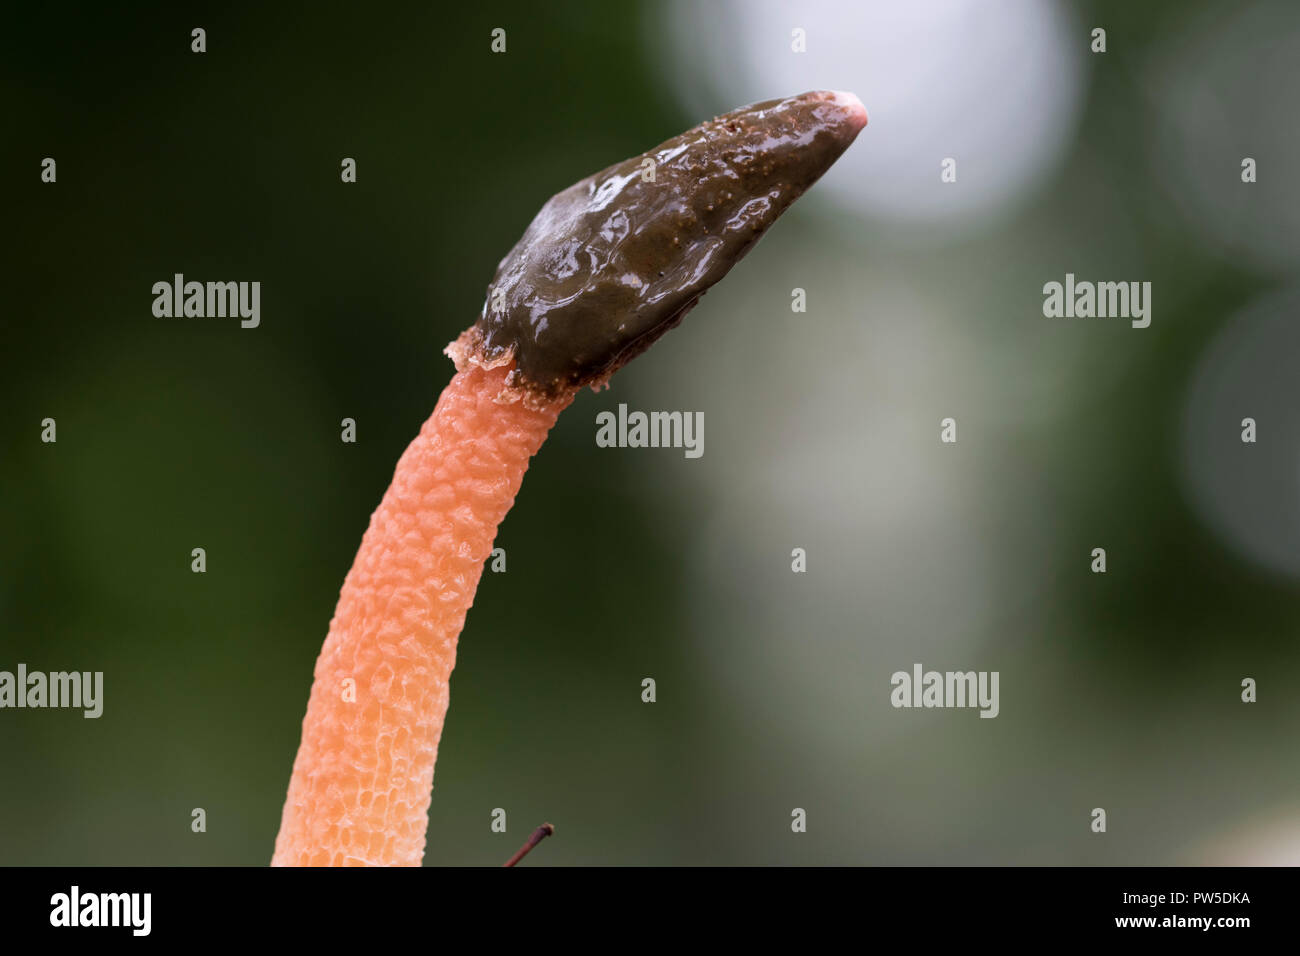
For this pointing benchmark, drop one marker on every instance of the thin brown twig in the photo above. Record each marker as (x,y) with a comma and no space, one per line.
(540,834)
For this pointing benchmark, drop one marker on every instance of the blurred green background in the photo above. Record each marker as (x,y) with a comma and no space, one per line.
(822,431)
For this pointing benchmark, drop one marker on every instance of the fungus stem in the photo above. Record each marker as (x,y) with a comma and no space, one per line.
(360,789)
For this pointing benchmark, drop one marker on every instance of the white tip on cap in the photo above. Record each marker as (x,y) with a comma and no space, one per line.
(852,104)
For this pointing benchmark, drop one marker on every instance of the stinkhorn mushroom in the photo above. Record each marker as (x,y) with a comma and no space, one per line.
(606,267)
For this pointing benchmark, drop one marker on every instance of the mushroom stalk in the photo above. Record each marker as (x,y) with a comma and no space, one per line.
(360,789)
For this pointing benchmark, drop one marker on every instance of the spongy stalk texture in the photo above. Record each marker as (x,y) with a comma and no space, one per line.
(362,780)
